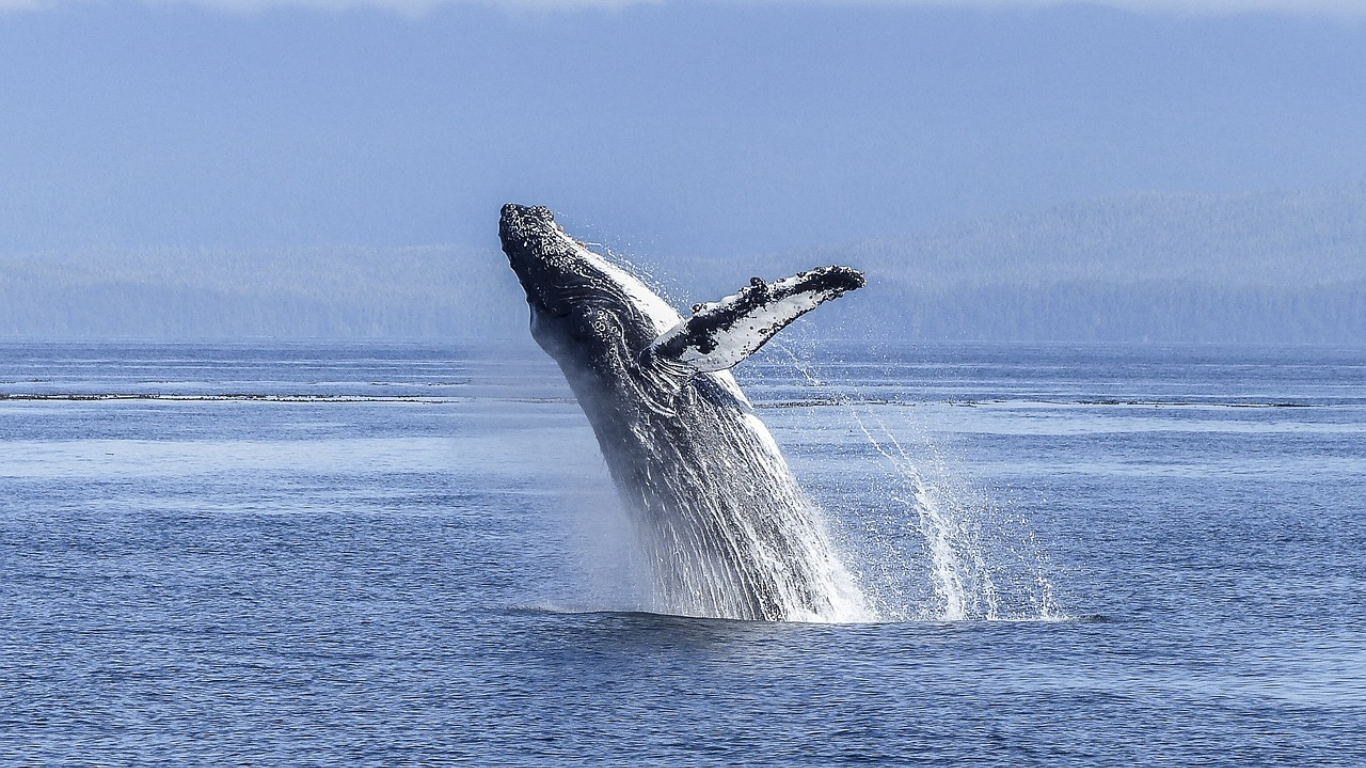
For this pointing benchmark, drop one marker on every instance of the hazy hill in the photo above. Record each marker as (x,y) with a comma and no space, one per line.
(1288,268)
(1302,239)
(1260,268)
(427,292)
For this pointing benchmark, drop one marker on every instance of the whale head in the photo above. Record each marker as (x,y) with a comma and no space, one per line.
(605,327)
(583,307)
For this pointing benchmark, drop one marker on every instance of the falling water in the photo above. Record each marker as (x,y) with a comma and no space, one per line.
(961,580)
(980,564)
(725,528)
(727,532)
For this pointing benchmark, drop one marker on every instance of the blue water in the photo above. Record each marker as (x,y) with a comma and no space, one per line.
(408,555)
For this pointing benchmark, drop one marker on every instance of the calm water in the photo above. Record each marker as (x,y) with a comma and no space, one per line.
(402,555)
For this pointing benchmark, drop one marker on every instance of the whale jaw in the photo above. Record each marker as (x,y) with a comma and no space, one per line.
(562,278)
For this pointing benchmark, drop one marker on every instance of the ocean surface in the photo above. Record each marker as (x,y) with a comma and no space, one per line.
(403,555)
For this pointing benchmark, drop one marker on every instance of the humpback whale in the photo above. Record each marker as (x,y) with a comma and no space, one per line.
(725,527)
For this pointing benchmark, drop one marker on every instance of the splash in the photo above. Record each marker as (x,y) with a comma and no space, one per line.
(721,539)
(977,560)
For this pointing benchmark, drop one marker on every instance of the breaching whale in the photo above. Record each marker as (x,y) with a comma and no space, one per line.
(724,525)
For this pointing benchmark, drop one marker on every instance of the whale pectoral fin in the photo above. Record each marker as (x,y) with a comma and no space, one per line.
(720,335)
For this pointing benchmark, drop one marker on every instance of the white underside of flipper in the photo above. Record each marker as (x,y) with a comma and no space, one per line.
(720,335)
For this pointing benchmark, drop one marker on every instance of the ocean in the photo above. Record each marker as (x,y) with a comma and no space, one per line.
(412,555)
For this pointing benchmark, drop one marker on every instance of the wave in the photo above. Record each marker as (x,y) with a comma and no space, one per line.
(556,609)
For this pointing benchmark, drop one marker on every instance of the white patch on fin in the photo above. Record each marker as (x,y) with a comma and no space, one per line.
(720,335)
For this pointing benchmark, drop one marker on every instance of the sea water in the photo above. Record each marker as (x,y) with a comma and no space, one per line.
(400,555)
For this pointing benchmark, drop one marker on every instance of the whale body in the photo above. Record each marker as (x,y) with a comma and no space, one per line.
(725,527)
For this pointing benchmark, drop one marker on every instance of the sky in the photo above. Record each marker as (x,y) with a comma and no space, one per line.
(664,128)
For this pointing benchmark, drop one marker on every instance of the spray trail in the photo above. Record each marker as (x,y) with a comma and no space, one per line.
(974,567)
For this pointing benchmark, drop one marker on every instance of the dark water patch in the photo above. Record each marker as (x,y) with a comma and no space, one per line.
(1184,403)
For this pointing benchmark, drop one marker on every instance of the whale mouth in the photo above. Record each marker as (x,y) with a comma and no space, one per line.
(520,220)
(530,235)
(574,294)
(553,267)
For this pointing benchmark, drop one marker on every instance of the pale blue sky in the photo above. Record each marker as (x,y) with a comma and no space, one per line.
(671,128)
